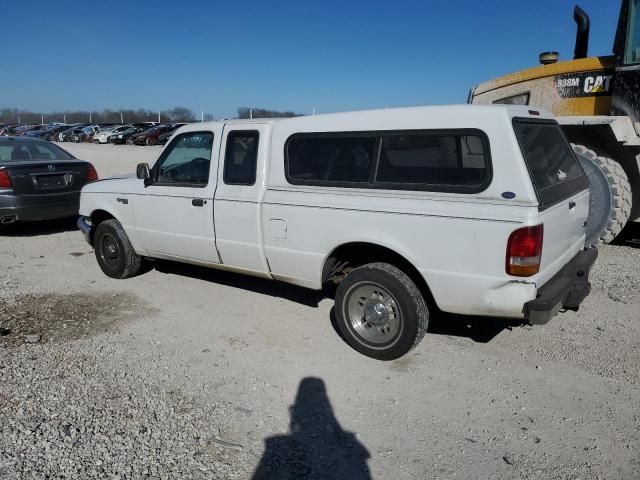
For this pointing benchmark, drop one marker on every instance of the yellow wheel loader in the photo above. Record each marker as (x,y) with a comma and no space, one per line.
(597,102)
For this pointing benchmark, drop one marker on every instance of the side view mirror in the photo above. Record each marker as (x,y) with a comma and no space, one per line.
(143,172)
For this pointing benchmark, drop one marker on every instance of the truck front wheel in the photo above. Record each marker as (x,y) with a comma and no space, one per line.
(380,312)
(114,251)
(610,202)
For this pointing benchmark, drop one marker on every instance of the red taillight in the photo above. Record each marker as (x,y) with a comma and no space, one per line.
(524,251)
(5,181)
(92,175)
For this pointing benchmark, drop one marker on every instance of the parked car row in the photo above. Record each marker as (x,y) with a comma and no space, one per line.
(144,133)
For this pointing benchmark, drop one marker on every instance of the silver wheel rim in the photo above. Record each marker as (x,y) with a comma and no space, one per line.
(373,314)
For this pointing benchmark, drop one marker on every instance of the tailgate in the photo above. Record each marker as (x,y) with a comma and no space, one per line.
(562,189)
(564,233)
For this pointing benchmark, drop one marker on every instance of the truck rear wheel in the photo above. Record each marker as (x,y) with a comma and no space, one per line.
(610,203)
(380,312)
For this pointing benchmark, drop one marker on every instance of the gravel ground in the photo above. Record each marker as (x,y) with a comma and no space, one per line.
(189,373)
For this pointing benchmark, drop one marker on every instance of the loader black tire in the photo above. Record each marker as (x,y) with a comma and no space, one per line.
(610,203)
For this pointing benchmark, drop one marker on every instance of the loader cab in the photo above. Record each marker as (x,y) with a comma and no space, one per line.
(627,42)
(626,49)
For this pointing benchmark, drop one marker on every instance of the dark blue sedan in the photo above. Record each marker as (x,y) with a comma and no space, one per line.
(39,180)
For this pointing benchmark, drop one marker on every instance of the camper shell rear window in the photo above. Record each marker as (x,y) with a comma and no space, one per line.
(554,168)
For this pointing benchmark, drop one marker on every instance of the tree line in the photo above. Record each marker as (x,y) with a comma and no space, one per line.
(250,112)
(176,114)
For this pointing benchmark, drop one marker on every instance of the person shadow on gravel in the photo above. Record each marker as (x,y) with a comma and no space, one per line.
(317,447)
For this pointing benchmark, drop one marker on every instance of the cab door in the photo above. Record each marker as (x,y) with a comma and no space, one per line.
(238,197)
(173,210)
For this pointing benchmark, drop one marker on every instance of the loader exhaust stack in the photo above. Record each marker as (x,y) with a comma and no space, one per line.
(582,34)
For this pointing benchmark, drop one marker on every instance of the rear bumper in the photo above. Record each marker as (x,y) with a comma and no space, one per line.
(566,289)
(30,208)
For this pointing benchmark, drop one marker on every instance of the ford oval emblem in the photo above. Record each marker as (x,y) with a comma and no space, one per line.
(508,195)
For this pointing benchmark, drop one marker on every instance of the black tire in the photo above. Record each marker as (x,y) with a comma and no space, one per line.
(151,141)
(404,303)
(610,203)
(114,253)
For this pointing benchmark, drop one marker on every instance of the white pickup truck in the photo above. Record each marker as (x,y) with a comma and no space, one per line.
(476,210)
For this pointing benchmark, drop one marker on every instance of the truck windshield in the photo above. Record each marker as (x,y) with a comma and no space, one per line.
(554,168)
(632,50)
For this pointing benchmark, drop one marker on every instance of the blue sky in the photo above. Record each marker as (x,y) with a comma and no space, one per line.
(290,55)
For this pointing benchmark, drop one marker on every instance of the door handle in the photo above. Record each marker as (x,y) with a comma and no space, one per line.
(197,202)
(572,205)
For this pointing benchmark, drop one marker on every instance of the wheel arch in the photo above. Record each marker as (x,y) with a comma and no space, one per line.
(98,216)
(353,254)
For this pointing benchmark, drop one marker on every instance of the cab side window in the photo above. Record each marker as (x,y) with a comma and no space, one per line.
(186,161)
(241,156)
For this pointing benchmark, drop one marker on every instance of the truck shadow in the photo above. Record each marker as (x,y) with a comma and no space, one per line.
(34,229)
(304,296)
(478,329)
